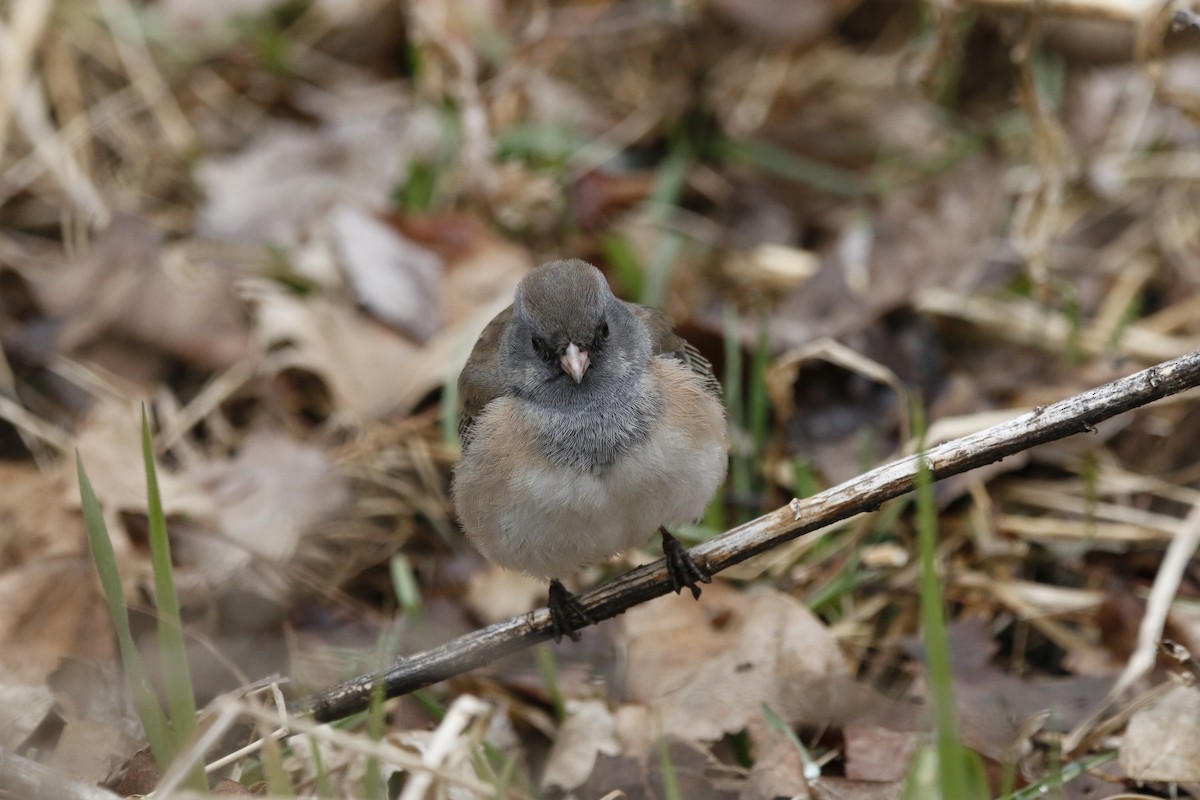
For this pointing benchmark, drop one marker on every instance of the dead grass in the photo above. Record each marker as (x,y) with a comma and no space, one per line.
(283,227)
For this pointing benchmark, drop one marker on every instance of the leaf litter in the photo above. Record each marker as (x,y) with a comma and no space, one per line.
(281,229)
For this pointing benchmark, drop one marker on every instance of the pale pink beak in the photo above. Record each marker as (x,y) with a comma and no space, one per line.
(574,362)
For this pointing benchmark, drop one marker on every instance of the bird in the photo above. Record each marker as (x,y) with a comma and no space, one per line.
(587,424)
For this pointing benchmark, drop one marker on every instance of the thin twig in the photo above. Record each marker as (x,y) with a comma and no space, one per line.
(1078,414)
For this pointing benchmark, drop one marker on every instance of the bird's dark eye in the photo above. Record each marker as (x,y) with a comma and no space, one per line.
(603,330)
(540,348)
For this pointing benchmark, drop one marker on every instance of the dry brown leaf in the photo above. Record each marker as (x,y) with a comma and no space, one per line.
(778,771)
(993,705)
(109,441)
(1162,741)
(878,754)
(364,365)
(267,498)
(845,789)
(394,278)
(781,21)
(710,667)
(90,750)
(122,288)
(371,372)
(588,732)
(141,776)
(23,706)
(53,610)
(228,786)
(35,522)
(495,594)
(289,176)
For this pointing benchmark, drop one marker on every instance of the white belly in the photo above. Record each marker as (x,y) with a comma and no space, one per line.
(554,523)
(526,512)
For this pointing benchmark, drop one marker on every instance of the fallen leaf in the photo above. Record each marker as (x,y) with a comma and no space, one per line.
(53,610)
(289,176)
(708,668)
(91,750)
(495,594)
(23,706)
(365,367)
(1162,741)
(122,288)
(395,279)
(141,775)
(878,754)
(587,733)
(35,522)
(268,497)
(778,771)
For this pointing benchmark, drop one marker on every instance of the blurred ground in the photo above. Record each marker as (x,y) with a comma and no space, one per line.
(282,225)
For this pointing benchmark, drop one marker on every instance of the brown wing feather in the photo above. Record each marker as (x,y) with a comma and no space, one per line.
(666,342)
(480,381)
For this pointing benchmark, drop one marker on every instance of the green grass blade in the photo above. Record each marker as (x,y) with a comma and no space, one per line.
(669,182)
(812,771)
(741,462)
(278,781)
(374,785)
(177,675)
(758,402)
(548,667)
(323,781)
(671,788)
(776,161)
(144,699)
(405,586)
(957,775)
(624,262)
(1061,777)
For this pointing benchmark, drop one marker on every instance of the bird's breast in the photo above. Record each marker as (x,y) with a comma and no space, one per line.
(590,438)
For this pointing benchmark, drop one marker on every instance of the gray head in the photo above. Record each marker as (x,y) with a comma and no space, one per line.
(570,340)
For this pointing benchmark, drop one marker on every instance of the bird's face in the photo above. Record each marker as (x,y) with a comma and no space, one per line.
(569,337)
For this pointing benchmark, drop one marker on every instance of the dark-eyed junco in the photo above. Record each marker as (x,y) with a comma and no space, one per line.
(587,425)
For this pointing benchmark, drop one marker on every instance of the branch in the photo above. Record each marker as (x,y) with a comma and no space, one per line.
(1078,414)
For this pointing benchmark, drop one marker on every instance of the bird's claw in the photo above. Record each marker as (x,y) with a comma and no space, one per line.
(566,613)
(683,569)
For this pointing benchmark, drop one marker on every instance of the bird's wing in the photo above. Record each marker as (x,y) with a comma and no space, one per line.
(665,342)
(480,381)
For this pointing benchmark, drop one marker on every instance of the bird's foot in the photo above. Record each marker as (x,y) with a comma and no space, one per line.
(567,613)
(683,569)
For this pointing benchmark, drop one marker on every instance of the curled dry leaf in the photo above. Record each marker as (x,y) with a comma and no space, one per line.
(364,366)
(289,176)
(371,372)
(91,750)
(878,754)
(110,445)
(1162,741)
(121,288)
(23,706)
(53,610)
(781,21)
(35,522)
(588,732)
(267,498)
(495,594)
(397,280)
(778,771)
(708,668)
